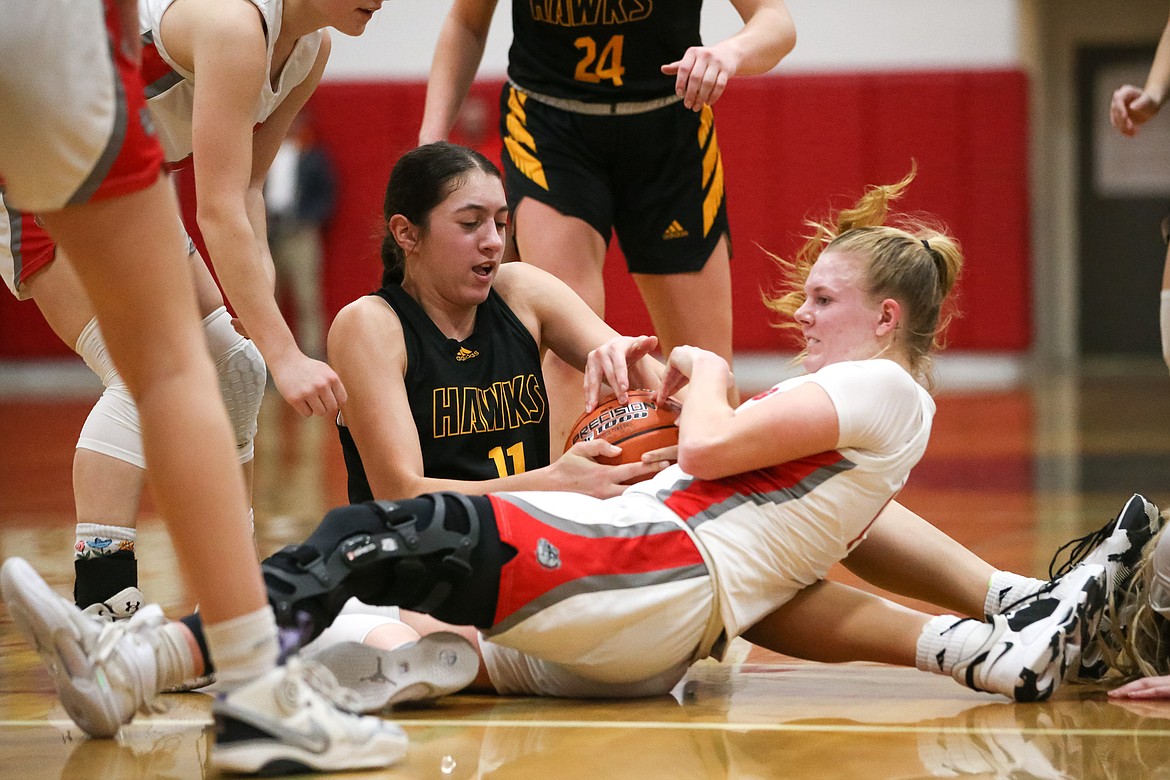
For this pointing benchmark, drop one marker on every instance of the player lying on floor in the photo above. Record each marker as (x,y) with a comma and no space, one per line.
(580,596)
(443,288)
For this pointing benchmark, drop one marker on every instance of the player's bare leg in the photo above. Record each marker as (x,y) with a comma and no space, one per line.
(107,489)
(570,249)
(671,298)
(146,305)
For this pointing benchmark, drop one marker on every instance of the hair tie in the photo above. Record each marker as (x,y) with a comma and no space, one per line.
(940,262)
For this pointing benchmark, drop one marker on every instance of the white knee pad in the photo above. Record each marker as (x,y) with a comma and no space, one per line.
(242,375)
(112,427)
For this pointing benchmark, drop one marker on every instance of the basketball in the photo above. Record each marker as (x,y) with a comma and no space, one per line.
(637,426)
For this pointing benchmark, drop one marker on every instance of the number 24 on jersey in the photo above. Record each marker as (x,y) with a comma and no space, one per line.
(595,67)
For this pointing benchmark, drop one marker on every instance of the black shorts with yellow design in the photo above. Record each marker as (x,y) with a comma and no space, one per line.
(656,178)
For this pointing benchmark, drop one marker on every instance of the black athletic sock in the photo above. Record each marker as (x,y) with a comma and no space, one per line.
(195,624)
(102,576)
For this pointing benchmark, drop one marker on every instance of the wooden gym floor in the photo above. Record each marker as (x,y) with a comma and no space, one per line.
(1010,473)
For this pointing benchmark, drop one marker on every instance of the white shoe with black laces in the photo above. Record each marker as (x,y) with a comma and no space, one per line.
(1025,653)
(295,719)
(1117,546)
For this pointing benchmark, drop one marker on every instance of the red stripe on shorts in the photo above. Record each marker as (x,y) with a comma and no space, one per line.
(139,161)
(525,578)
(35,250)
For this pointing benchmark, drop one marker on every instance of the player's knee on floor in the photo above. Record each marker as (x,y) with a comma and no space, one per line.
(409,553)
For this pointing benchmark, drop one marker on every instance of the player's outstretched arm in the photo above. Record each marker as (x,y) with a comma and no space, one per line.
(768,35)
(1132,107)
(457,56)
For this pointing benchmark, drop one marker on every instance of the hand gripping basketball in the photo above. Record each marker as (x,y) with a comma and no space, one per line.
(637,426)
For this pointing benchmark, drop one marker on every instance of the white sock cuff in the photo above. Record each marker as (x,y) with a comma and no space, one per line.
(1000,591)
(176,663)
(931,643)
(118,532)
(244,647)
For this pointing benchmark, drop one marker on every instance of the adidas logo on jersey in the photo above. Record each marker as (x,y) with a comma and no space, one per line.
(674,231)
(466,354)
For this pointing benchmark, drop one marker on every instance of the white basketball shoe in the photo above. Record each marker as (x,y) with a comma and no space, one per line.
(436,665)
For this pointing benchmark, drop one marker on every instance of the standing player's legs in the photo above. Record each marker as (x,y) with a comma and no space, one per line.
(145,302)
(573,251)
(561,218)
(108,463)
(671,300)
(80,156)
(670,214)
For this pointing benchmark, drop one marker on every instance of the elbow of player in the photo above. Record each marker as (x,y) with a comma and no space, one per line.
(703,459)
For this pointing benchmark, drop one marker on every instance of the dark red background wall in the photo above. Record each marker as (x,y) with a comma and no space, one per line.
(791,146)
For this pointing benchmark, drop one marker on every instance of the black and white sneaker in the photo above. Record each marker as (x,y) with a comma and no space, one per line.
(436,665)
(1027,650)
(297,719)
(1117,546)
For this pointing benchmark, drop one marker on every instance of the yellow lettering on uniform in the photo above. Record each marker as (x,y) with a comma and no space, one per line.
(534,403)
(470,420)
(446,412)
(585,13)
(639,10)
(491,407)
(506,404)
(508,391)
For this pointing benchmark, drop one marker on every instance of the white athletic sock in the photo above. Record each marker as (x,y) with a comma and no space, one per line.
(242,648)
(947,639)
(176,664)
(1006,588)
(94,539)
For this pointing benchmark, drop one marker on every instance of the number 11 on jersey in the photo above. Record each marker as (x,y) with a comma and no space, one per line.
(515,453)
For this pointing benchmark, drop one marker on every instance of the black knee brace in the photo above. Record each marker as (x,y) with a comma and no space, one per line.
(407,553)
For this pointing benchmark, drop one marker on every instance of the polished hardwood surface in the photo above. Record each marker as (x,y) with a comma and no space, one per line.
(1010,473)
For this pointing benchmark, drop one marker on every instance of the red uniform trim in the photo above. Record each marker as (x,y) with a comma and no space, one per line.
(139,161)
(35,250)
(525,579)
(701,494)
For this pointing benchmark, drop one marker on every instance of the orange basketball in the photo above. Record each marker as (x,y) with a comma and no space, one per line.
(637,426)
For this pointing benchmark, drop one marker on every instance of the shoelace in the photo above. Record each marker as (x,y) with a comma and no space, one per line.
(113,634)
(321,680)
(1081,547)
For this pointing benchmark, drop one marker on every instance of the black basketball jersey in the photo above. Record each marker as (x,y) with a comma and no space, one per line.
(600,50)
(479,404)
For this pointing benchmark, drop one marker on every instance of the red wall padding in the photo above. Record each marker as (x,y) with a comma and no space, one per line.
(791,146)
